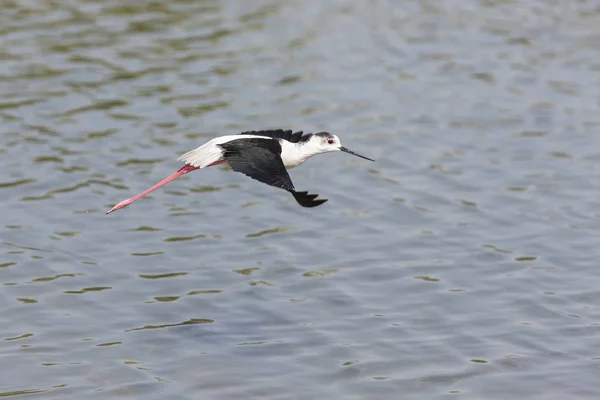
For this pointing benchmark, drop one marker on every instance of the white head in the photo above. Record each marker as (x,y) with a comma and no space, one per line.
(325,142)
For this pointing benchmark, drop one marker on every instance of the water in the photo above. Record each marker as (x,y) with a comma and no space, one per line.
(462,264)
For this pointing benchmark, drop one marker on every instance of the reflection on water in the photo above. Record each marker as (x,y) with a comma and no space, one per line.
(188,322)
(462,262)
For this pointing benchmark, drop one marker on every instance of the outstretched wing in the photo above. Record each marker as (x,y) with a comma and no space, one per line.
(260,159)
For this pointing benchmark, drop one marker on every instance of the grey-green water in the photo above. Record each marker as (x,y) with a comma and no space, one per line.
(462,264)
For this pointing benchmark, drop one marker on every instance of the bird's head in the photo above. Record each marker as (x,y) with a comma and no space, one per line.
(325,142)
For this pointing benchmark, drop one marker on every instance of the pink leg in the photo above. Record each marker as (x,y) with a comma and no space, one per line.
(182,171)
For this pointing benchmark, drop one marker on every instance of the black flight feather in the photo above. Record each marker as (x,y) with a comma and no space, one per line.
(289,135)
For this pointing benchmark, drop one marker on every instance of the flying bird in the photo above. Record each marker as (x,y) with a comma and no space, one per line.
(262,155)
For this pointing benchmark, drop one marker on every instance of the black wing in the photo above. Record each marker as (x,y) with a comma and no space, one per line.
(290,136)
(260,159)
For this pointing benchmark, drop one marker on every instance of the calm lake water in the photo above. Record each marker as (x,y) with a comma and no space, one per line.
(463,263)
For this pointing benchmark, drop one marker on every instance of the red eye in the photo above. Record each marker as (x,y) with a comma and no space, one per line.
(331,141)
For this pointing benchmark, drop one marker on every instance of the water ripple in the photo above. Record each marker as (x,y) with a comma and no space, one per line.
(483,197)
(51,278)
(193,321)
(152,253)
(85,184)
(23,336)
(89,289)
(22,392)
(161,276)
(186,238)
(279,229)
(137,161)
(16,183)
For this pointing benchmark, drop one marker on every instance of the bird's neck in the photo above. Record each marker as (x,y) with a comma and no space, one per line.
(294,154)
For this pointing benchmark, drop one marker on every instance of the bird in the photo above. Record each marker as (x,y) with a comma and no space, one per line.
(263,155)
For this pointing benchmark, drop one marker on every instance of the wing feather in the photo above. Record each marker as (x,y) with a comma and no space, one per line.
(259,159)
(289,135)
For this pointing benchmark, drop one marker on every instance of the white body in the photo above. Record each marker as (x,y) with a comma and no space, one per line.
(292,154)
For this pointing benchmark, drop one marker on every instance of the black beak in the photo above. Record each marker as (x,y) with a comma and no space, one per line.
(345,150)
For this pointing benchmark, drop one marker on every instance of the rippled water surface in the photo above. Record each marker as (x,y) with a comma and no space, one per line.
(462,264)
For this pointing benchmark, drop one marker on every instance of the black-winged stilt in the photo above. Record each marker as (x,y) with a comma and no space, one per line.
(261,155)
